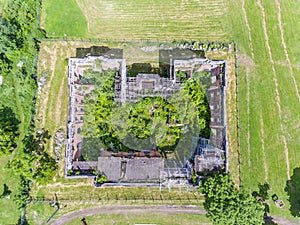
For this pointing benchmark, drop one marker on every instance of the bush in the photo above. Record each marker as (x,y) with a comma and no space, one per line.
(70,172)
(101,179)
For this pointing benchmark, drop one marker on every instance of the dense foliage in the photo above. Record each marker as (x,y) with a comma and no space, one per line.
(8,130)
(22,195)
(95,123)
(200,102)
(19,33)
(35,163)
(226,204)
(103,109)
(203,78)
(153,122)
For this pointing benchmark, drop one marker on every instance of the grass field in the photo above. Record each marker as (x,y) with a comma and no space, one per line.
(138,19)
(8,209)
(268,94)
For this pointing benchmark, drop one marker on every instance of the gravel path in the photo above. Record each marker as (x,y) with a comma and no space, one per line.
(149,209)
(126,209)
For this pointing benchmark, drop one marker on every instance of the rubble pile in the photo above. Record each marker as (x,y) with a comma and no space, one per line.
(58,140)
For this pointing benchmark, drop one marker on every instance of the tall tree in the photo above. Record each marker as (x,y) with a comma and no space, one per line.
(226,204)
(8,130)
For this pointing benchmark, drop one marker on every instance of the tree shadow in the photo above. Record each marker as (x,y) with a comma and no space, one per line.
(269,221)
(23,220)
(293,190)
(5,192)
(262,195)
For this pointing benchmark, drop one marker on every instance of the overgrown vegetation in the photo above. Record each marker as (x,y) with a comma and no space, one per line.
(153,122)
(101,179)
(35,163)
(19,32)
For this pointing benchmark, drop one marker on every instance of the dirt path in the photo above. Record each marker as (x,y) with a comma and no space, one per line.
(248,117)
(59,103)
(247,62)
(79,184)
(248,28)
(52,54)
(285,48)
(57,113)
(262,132)
(248,80)
(286,150)
(127,209)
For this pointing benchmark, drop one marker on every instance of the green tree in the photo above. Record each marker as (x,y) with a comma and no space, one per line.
(22,195)
(8,130)
(226,204)
(45,168)
(181,75)
(34,162)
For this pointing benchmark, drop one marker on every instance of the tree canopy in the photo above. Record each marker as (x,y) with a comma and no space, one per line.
(226,204)
(8,130)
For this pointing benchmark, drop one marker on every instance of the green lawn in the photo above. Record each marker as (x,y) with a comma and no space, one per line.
(8,209)
(145,218)
(138,19)
(63,17)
